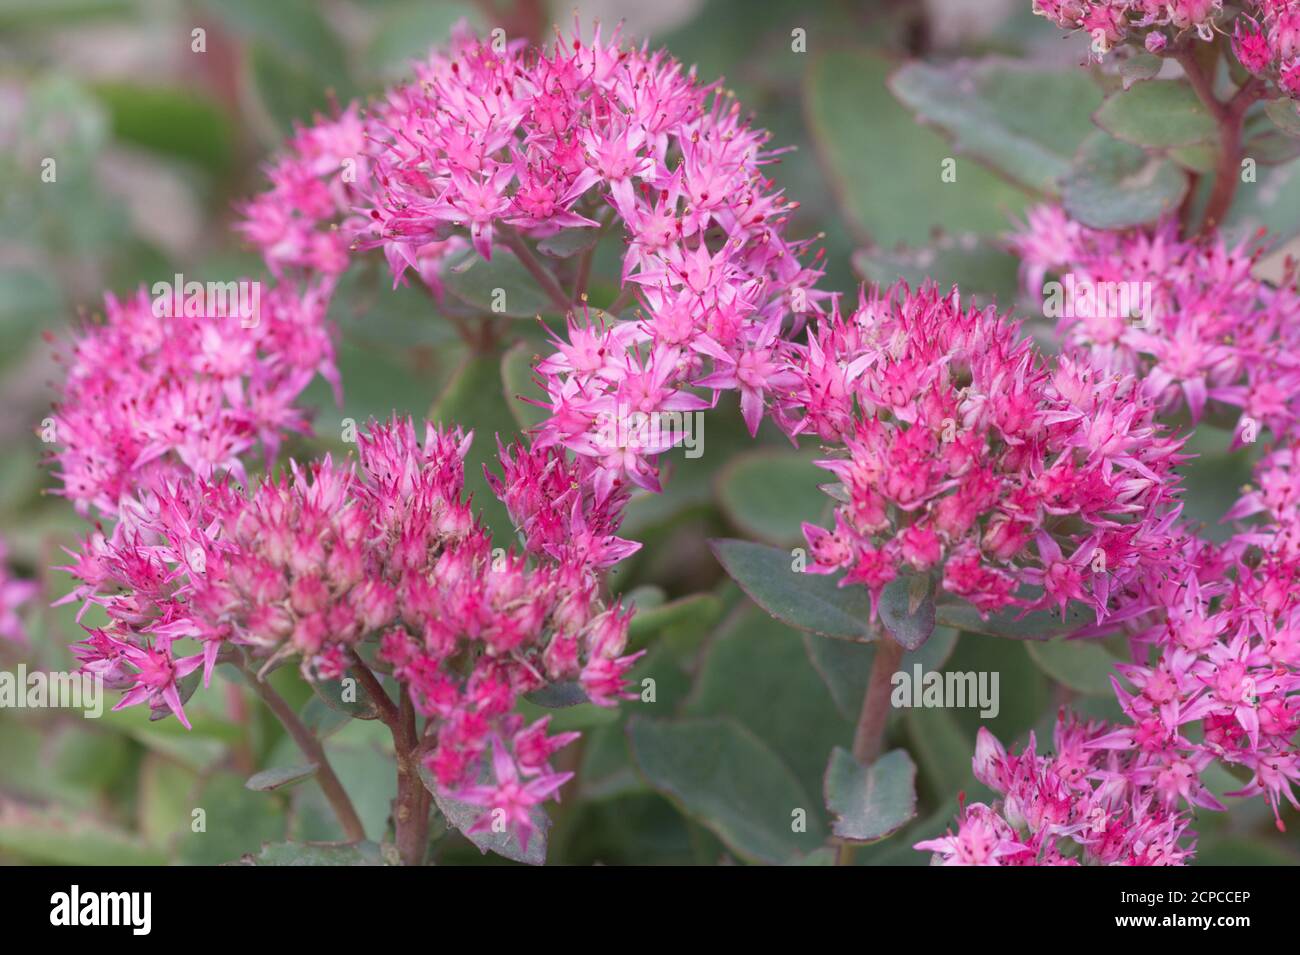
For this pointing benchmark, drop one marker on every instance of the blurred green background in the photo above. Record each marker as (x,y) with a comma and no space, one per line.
(155,144)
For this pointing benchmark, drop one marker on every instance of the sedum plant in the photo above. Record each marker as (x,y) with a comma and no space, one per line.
(983,472)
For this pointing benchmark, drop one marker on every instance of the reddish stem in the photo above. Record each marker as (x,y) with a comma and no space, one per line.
(869,736)
(311,747)
(1229,116)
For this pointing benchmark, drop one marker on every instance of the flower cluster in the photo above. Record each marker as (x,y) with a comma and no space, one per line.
(1152,22)
(1030,483)
(13,594)
(1217,653)
(295,223)
(1082,805)
(153,392)
(340,569)
(1268,43)
(1186,317)
(1215,677)
(1265,34)
(498,144)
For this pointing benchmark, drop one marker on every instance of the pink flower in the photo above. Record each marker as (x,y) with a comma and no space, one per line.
(1203,332)
(509,798)
(961,444)
(325,558)
(138,383)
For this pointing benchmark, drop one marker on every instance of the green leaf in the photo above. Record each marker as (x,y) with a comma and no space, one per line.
(870,802)
(1024,122)
(474,400)
(1157,114)
(722,775)
(1241,850)
(235,821)
(942,748)
(409,30)
(317,853)
(1200,158)
(321,718)
(519,382)
(43,14)
(907,609)
(698,611)
(1035,625)
(348,697)
(169,121)
(1082,665)
(287,92)
(278,777)
(62,838)
(556,696)
(975,264)
(756,671)
(165,799)
(1268,203)
(568,243)
(1115,185)
(845,667)
(1265,142)
(1139,67)
(294,30)
(462,816)
(812,602)
(1285,114)
(362,756)
(499,287)
(768,493)
(885,168)
(1022,692)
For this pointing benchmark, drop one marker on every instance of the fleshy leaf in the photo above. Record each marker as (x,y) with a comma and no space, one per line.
(462,816)
(1035,625)
(1115,185)
(721,774)
(812,602)
(1158,114)
(556,696)
(1082,665)
(870,802)
(907,609)
(279,776)
(1025,122)
(769,493)
(317,853)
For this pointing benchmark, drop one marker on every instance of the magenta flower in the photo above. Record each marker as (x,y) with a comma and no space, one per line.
(138,383)
(510,798)
(962,446)
(1203,332)
(327,558)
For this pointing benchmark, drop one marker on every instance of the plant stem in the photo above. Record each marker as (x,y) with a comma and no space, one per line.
(869,736)
(870,733)
(411,814)
(1229,116)
(411,811)
(311,747)
(375,690)
(545,280)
